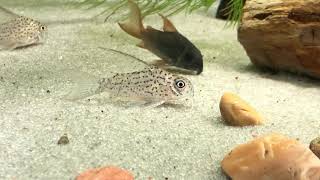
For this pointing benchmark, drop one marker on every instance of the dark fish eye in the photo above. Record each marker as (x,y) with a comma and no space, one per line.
(180,84)
(42,27)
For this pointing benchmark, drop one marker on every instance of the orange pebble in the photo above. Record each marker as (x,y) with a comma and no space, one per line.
(105,173)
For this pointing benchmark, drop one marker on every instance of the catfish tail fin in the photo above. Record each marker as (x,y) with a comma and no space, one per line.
(134,25)
(85,85)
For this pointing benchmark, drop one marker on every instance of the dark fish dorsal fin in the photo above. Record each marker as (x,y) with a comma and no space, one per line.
(167,25)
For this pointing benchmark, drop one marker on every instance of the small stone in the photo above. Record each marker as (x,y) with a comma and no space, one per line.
(237,112)
(315,146)
(105,173)
(63,140)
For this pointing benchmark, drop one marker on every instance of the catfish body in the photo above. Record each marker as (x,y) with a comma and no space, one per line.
(150,85)
(171,46)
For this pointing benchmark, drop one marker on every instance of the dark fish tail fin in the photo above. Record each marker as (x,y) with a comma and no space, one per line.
(134,25)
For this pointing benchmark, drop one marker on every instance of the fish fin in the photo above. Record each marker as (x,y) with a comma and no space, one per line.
(134,25)
(159,63)
(143,104)
(153,104)
(6,15)
(125,54)
(141,45)
(6,11)
(176,69)
(85,85)
(8,45)
(166,66)
(167,24)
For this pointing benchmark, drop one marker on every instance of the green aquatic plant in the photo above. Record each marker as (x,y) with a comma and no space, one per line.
(166,7)
(235,11)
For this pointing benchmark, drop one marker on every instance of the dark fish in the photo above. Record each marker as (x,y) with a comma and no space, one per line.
(172,47)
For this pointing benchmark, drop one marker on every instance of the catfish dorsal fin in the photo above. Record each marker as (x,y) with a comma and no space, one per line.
(6,15)
(167,24)
(7,11)
(134,25)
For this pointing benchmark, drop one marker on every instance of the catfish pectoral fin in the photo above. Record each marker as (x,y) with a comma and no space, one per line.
(8,45)
(141,45)
(167,24)
(159,63)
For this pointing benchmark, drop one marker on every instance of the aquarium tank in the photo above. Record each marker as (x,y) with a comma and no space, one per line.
(159,89)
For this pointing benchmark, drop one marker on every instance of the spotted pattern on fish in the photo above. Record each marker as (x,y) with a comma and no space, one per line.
(21,31)
(151,83)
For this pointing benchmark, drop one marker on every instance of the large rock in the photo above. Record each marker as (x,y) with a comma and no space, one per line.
(282,34)
(271,157)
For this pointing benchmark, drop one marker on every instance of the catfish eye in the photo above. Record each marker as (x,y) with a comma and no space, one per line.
(180,84)
(43,28)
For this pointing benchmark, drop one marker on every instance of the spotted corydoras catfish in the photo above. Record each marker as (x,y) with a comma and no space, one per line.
(151,85)
(171,46)
(19,31)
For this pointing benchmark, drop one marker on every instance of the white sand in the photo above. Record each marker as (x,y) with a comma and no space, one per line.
(178,143)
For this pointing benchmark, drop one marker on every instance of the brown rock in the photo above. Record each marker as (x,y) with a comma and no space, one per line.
(272,157)
(105,173)
(315,146)
(237,112)
(282,34)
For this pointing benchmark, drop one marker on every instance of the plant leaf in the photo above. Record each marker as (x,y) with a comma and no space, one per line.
(166,7)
